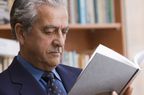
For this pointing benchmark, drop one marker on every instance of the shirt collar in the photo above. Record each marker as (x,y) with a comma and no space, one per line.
(36,73)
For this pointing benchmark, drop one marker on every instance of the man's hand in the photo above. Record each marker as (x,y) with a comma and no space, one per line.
(127,92)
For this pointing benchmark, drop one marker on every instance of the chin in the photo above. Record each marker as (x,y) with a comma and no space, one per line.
(54,63)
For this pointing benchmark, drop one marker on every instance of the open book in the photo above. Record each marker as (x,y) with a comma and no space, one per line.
(106,71)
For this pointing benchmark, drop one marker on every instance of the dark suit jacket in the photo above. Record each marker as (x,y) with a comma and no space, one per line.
(16,80)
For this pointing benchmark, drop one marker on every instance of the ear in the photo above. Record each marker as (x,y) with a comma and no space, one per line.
(19,33)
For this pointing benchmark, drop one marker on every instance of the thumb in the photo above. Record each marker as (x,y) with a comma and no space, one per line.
(114,93)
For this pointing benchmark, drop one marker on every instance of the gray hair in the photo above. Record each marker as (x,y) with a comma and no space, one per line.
(25,11)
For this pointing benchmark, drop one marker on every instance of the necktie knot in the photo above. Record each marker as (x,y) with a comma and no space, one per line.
(53,84)
(47,76)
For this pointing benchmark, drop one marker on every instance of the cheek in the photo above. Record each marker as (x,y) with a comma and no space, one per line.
(39,49)
(44,44)
(39,44)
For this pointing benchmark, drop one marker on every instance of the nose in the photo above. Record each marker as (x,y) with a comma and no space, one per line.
(59,40)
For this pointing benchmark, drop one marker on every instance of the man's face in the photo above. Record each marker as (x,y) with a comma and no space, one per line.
(44,44)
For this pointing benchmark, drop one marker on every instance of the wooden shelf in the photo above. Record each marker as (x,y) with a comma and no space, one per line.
(80,26)
(5,27)
(5,31)
(96,26)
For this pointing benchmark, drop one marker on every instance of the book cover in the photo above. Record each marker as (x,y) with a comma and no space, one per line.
(109,7)
(101,11)
(90,11)
(73,11)
(82,11)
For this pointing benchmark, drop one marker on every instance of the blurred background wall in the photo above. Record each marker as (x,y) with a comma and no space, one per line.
(134,17)
(134,12)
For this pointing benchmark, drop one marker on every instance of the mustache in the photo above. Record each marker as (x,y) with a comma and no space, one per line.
(58,50)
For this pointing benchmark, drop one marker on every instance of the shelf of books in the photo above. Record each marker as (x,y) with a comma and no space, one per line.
(94,22)
(91,22)
(91,11)
(8,49)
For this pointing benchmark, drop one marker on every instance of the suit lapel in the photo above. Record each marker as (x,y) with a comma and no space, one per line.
(68,76)
(29,86)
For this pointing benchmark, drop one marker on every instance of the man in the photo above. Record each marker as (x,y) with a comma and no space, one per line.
(40,26)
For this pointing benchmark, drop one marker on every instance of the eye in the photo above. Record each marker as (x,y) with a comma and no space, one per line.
(49,30)
(65,30)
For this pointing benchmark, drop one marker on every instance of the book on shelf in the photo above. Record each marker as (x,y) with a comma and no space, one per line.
(106,71)
(1,61)
(82,11)
(104,11)
(8,49)
(5,61)
(73,11)
(90,16)
(4,12)
(91,11)
(110,15)
(75,59)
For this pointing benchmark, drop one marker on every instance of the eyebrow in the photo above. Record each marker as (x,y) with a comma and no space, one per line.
(53,26)
(50,26)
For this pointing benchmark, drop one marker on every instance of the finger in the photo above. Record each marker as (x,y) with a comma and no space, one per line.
(114,93)
(128,91)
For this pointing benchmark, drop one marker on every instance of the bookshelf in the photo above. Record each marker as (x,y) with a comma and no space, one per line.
(5,31)
(84,38)
(5,27)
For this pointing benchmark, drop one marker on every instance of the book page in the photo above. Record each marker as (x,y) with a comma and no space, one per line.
(114,55)
(103,74)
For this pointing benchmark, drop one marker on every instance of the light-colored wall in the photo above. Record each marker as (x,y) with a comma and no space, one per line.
(134,16)
(134,12)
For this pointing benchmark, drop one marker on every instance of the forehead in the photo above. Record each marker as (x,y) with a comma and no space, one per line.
(52,15)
